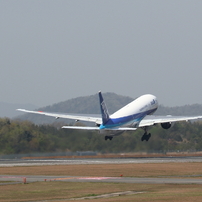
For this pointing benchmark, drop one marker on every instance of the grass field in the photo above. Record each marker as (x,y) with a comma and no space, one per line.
(62,191)
(112,170)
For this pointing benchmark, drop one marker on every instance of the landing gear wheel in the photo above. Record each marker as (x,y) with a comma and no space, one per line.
(108,137)
(146,136)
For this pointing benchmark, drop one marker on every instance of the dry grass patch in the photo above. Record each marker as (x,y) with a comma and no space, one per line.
(65,190)
(112,170)
(59,190)
(54,191)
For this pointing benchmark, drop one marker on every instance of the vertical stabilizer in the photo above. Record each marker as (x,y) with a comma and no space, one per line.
(103,108)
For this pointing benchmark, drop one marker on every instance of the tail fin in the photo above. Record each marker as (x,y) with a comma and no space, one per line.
(104,111)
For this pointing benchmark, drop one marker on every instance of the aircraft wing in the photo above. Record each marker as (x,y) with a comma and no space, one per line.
(152,120)
(66,116)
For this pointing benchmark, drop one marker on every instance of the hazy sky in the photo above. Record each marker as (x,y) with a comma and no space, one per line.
(52,51)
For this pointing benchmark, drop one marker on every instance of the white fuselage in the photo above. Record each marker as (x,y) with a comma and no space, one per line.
(131,114)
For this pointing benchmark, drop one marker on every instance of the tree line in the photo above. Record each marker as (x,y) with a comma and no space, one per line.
(18,137)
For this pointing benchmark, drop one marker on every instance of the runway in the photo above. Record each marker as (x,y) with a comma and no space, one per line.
(160,180)
(33,178)
(43,162)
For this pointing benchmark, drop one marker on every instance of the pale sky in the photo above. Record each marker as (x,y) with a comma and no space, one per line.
(52,51)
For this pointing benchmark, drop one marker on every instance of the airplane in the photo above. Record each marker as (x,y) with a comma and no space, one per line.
(136,114)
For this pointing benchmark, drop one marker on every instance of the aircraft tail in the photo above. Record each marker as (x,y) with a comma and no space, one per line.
(104,110)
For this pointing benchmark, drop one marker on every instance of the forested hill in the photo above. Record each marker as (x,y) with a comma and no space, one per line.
(80,105)
(90,105)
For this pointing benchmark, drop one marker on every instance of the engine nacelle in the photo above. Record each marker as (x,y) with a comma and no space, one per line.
(166,125)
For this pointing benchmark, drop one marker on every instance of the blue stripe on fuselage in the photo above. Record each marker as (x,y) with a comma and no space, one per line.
(111,123)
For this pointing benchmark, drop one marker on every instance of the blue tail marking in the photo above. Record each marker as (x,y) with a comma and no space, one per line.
(104,111)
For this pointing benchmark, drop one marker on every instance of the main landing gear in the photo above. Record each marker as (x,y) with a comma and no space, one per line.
(108,137)
(146,136)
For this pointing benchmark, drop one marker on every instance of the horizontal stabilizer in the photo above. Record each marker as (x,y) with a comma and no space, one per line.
(81,128)
(97,128)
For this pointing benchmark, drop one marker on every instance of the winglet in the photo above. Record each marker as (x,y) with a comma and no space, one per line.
(103,108)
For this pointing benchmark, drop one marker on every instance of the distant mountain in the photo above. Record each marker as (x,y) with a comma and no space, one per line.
(9,109)
(90,105)
(186,110)
(80,105)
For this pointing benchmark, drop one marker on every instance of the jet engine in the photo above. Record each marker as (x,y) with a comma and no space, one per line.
(166,125)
